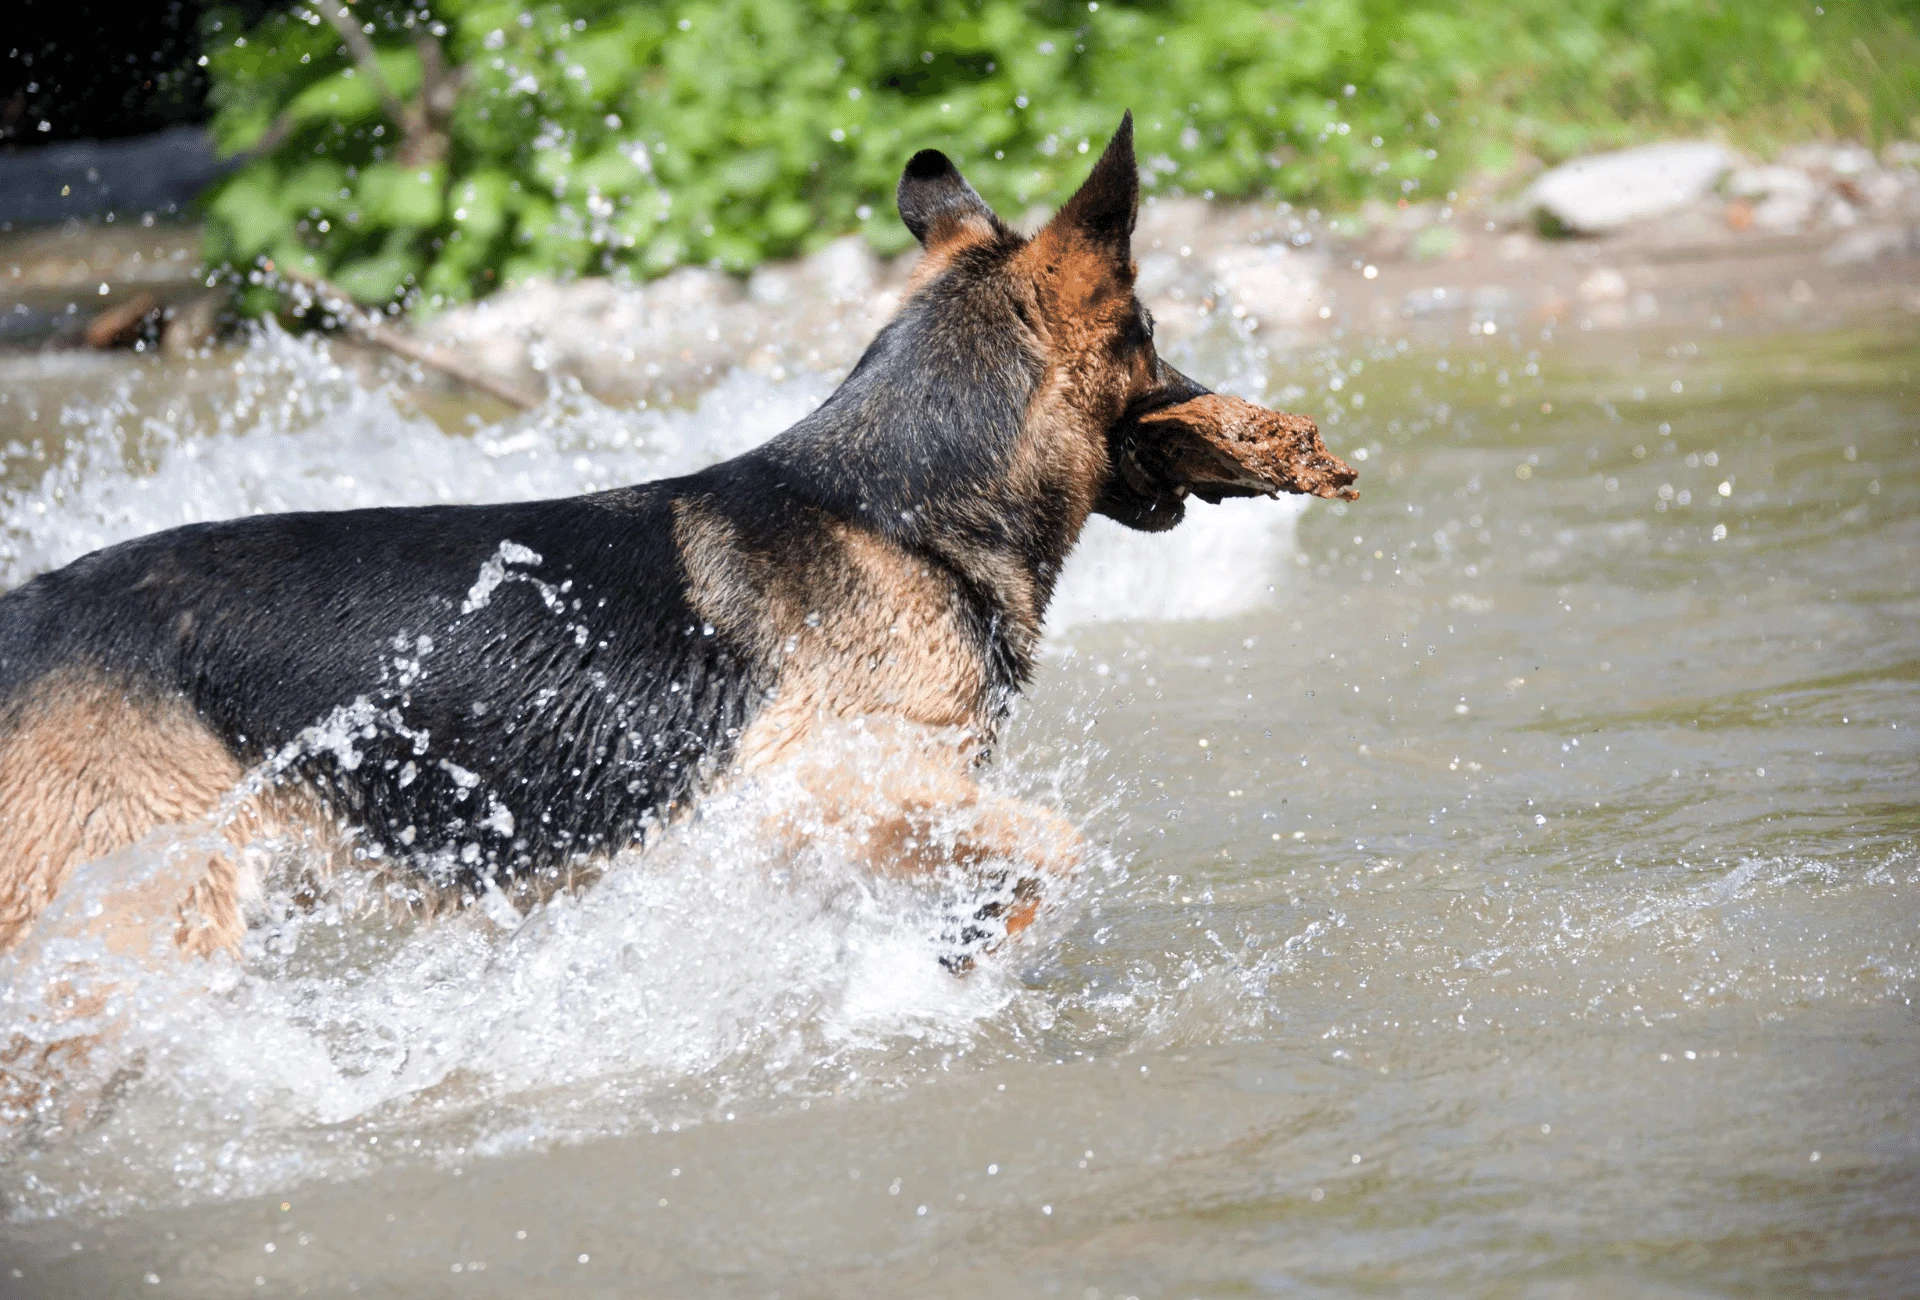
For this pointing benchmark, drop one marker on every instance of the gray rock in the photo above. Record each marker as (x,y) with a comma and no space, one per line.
(1783,197)
(1869,244)
(1892,192)
(1605,192)
(1827,159)
(1272,282)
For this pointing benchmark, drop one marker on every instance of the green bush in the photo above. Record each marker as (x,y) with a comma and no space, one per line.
(482,141)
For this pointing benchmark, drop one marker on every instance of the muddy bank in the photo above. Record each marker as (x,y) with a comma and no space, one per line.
(1686,235)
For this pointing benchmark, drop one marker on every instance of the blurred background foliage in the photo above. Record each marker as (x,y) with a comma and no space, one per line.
(422,156)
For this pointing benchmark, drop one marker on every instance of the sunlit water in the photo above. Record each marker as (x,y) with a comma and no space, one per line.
(1505,884)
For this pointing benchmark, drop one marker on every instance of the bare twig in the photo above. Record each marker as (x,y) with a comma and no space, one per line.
(440,86)
(422,125)
(421,141)
(364,57)
(282,126)
(369,326)
(118,326)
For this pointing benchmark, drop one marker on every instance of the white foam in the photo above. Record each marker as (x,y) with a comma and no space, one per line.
(719,961)
(1222,560)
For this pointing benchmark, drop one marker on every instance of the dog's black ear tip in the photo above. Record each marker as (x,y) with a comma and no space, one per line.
(1120,146)
(927,165)
(932,188)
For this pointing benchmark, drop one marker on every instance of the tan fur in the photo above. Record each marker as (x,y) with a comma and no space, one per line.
(901,800)
(1083,298)
(859,628)
(864,635)
(86,770)
(864,631)
(947,238)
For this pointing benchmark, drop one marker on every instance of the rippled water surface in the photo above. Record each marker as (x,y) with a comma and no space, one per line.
(1508,884)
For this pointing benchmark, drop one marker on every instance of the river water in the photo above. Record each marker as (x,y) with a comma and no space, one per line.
(1507,884)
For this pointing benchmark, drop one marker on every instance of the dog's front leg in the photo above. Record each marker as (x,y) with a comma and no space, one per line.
(900,799)
(1010,859)
(1037,848)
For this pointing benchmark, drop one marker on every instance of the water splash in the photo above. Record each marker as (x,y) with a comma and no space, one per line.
(707,965)
(297,430)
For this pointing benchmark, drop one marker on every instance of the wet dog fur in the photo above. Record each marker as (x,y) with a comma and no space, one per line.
(495,695)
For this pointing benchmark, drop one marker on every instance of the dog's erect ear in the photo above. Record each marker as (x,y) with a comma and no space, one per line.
(1103,208)
(937,203)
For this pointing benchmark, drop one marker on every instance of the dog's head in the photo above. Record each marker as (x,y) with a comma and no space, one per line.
(1111,422)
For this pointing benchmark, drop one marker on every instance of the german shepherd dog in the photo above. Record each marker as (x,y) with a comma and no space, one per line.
(494,696)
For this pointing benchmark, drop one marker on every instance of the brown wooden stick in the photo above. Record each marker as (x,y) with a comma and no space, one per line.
(120,326)
(372,328)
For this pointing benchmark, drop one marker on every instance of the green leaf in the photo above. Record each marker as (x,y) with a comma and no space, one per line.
(589,135)
(250,209)
(346,96)
(375,279)
(396,196)
(481,202)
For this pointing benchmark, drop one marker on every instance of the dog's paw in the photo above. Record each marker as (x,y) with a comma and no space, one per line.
(978,924)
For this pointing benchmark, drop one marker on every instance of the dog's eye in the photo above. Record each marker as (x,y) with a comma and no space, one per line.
(1139,331)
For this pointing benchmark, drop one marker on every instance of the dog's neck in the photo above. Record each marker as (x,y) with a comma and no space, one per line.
(940,441)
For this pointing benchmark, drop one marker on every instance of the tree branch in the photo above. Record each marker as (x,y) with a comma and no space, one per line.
(365,58)
(371,327)
(421,142)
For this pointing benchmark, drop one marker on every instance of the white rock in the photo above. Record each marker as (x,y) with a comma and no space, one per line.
(1829,160)
(1784,214)
(1851,160)
(1272,281)
(1785,196)
(1607,191)
(1603,284)
(1770,181)
(1892,192)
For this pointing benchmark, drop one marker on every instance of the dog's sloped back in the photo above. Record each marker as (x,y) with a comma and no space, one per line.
(491,690)
(487,686)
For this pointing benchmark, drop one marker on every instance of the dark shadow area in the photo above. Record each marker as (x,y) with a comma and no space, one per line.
(102,107)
